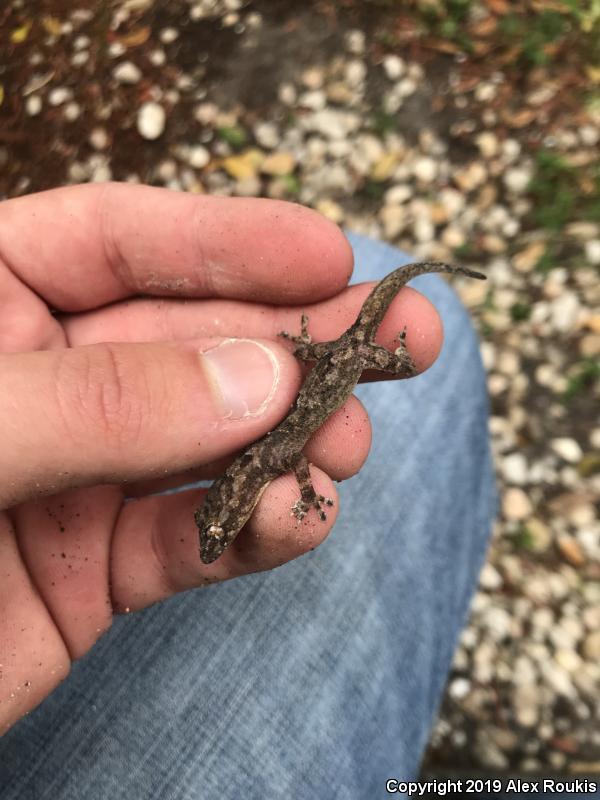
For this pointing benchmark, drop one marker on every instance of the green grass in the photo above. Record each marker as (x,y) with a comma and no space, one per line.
(235,136)
(584,376)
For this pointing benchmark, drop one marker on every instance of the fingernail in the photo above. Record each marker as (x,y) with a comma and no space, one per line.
(243,375)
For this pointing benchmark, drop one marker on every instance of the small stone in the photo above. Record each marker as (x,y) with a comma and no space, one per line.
(568,449)
(425,169)
(394,67)
(315,100)
(526,259)
(423,230)
(287,94)
(158,57)
(198,156)
(592,252)
(280,163)
(406,87)
(517,179)
(571,550)
(168,35)
(355,73)
(99,138)
(313,78)
(80,58)
(206,113)
(151,120)
(453,237)
(568,660)
(489,578)
(384,168)
(267,135)
(498,623)
(565,311)
(247,187)
(331,210)
(471,176)
(484,92)
(397,195)
(589,135)
(527,701)
(33,105)
(591,647)
(60,95)
(583,230)
(516,505)
(514,468)
(487,143)
(72,111)
(355,41)
(340,93)
(459,688)
(393,218)
(540,534)
(127,72)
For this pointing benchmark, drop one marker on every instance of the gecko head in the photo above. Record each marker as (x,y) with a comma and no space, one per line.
(213,540)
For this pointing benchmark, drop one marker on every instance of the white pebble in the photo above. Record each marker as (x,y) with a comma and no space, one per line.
(568,449)
(394,67)
(198,156)
(60,95)
(592,251)
(33,105)
(72,111)
(490,579)
(355,41)
(425,169)
(151,120)
(516,505)
(487,143)
(517,179)
(514,468)
(168,35)
(127,72)
(355,73)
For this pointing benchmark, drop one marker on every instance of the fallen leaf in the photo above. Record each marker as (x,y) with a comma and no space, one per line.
(136,37)
(52,25)
(20,34)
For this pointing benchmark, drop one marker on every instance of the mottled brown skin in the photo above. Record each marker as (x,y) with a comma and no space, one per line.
(339,365)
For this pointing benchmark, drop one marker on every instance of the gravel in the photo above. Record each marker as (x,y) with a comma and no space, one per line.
(441,165)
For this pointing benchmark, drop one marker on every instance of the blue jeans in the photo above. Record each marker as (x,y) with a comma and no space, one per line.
(319,679)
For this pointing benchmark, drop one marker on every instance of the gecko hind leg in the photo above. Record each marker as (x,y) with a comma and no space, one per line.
(306,349)
(308,496)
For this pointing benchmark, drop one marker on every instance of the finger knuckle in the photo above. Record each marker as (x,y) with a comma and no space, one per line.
(102,389)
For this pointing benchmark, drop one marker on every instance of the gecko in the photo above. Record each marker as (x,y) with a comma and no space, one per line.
(338,367)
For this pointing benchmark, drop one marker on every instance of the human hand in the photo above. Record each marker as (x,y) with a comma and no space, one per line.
(119,379)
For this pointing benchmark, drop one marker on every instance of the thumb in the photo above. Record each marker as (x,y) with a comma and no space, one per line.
(107,413)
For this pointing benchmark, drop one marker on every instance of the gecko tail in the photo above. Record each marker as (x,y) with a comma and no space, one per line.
(470,273)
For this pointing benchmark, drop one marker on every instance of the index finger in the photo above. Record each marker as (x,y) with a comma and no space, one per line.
(81,247)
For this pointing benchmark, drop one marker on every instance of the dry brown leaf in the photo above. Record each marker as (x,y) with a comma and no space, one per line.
(136,37)
(52,25)
(484,27)
(444,46)
(499,6)
(19,35)
(518,119)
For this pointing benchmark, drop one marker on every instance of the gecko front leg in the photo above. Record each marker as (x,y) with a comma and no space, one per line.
(308,496)
(306,349)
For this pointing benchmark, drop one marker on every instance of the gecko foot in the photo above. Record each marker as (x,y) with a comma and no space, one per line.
(403,355)
(301,508)
(304,338)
